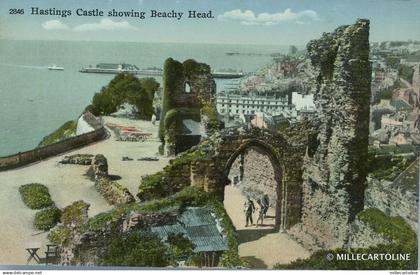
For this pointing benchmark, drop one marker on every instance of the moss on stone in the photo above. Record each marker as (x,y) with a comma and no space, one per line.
(113,192)
(60,235)
(75,213)
(171,179)
(35,195)
(73,218)
(179,104)
(192,68)
(392,228)
(172,70)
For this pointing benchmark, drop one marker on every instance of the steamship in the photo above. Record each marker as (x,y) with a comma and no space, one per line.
(111,68)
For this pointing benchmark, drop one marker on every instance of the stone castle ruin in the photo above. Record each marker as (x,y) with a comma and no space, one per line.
(319,166)
(188,106)
(320,169)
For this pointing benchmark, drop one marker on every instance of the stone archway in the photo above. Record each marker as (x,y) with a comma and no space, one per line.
(286,158)
(269,152)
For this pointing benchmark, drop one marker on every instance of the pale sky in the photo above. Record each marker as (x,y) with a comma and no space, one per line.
(277,22)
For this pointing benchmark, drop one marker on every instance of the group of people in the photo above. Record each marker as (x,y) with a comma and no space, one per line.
(263,205)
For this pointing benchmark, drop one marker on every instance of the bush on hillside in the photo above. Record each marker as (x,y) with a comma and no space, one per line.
(35,195)
(47,218)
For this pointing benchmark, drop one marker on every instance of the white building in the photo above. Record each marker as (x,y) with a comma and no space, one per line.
(87,122)
(235,105)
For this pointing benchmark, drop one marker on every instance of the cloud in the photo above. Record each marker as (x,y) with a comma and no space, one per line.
(105,24)
(248,17)
(53,25)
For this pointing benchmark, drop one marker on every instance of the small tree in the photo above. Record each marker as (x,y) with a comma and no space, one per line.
(126,88)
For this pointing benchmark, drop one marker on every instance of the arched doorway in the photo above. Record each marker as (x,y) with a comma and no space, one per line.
(254,171)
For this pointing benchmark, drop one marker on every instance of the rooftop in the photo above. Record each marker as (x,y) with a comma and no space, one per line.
(401,104)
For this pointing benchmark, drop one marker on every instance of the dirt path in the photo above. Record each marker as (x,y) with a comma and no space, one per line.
(261,246)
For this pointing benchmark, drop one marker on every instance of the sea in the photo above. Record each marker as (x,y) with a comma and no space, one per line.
(34,101)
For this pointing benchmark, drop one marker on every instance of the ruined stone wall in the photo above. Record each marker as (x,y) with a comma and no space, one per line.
(188,93)
(113,192)
(40,153)
(335,167)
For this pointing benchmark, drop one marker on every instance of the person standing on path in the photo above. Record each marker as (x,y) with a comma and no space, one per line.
(266,203)
(249,210)
(261,212)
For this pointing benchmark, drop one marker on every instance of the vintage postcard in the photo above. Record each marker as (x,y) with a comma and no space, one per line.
(206,134)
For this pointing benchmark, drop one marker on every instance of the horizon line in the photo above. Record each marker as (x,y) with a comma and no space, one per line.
(153,42)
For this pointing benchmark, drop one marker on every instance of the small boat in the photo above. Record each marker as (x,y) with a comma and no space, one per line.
(55,68)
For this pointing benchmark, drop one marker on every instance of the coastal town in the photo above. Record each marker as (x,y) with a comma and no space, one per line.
(207,177)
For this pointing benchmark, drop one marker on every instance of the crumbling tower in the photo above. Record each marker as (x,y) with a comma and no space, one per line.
(188,100)
(335,166)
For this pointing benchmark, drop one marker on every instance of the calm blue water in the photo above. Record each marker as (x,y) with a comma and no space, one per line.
(35,101)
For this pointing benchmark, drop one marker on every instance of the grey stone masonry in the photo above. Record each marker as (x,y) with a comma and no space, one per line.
(335,166)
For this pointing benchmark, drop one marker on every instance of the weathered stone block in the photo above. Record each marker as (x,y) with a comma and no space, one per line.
(100,166)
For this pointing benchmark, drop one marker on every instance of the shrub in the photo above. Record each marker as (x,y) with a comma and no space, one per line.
(139,249)
(394,228)
(180,247)
(35,195)
(47,218)
(152,187)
